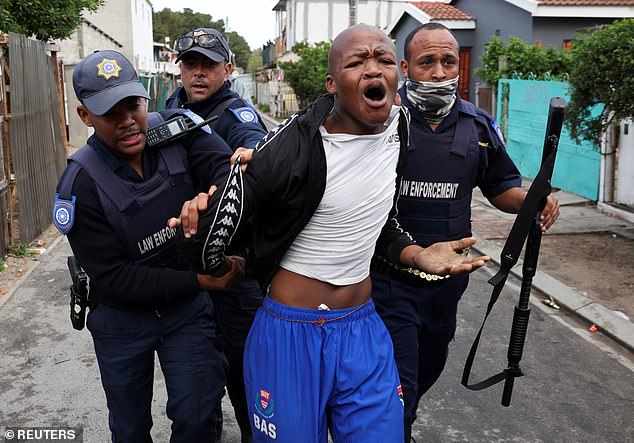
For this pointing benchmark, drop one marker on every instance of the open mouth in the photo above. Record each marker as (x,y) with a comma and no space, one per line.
(375,94)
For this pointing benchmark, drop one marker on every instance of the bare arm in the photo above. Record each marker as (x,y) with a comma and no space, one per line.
(442,258)
(511,200)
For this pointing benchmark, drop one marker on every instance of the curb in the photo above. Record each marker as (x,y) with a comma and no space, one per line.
(611,324)
(25,276)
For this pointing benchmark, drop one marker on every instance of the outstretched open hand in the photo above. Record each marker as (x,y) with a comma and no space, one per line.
(443,258)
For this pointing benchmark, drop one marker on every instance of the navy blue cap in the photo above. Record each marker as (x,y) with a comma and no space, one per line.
(218,53)
(103,79)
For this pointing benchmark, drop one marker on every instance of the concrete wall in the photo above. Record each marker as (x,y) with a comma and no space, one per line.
(554,30)
(85,40)
(142,40)
(321,20)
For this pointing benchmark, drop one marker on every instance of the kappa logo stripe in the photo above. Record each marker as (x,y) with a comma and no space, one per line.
(228,213)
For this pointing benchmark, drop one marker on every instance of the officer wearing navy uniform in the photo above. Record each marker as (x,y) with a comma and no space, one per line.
(204,60)
(454,147)
(113,202)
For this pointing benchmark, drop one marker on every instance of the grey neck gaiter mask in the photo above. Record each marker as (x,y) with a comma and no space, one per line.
(433,99)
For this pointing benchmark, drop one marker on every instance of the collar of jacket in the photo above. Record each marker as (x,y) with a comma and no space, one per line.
(315,114)
(206,106)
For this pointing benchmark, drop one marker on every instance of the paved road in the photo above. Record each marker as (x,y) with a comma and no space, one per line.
(574,391)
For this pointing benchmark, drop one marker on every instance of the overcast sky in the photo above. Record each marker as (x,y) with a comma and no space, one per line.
(252,19)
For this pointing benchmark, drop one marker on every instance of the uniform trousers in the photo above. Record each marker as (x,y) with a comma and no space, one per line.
(235,311)
(421,320)
(308,370)
(185,341)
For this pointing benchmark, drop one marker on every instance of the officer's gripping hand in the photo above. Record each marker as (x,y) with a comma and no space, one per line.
(232,271)
(443,258)
(190,212)
(246,156)
(550,212)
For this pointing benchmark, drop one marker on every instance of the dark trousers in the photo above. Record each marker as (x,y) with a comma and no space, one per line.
(235,312)
(422,322)
(185,341)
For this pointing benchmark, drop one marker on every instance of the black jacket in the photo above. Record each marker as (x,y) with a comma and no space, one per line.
(283,185)
(235,131)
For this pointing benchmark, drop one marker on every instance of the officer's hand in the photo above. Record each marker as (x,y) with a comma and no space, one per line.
(443,258)
(550,212)
(188,218)
(234,266)
(246,154)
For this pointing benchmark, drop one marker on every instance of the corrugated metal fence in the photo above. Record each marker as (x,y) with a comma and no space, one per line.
(37,144)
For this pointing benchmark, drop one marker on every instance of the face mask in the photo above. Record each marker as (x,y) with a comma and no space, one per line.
(433,99)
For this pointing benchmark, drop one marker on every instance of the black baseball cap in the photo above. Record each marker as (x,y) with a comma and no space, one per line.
(103,79)
(218,50)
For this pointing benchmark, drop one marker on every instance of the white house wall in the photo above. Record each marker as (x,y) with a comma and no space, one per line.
(142,40)
(321,20)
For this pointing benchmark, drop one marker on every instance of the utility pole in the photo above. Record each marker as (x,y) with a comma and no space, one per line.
(352,12)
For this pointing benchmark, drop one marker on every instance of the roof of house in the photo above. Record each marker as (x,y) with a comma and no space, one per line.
(586,2)
(442,11)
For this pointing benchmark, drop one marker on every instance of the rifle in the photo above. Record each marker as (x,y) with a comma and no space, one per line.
(525,228)
(78,293)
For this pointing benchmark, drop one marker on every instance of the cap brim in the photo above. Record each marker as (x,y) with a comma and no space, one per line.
(104,100)
(213,55)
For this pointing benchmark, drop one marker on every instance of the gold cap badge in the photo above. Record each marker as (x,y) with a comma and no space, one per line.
(108,68)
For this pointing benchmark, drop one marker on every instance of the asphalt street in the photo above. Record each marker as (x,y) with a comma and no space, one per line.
(576,388)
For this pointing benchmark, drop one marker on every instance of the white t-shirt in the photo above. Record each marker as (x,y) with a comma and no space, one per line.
(337,244)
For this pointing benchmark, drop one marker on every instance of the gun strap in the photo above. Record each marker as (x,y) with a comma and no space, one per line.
(539,189)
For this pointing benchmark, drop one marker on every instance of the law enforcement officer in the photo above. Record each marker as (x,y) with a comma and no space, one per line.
(204,60)
(322,189)
(454,148)
(113,202)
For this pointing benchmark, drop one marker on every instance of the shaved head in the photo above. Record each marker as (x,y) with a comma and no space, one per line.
(363,76)
(343,39)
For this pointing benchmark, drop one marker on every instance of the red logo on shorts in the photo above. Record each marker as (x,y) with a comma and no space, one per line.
(400,394)
(265,396)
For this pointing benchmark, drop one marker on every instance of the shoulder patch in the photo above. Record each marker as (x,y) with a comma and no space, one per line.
(245,114)
(498,131)
(63,214)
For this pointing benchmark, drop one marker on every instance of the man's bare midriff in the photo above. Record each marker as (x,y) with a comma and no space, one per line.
(292,289)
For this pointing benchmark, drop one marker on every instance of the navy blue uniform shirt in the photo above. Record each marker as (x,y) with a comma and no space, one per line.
(238,129)
(106,259)
(497,172)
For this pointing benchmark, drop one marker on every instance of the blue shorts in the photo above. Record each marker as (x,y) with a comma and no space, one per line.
(308,370)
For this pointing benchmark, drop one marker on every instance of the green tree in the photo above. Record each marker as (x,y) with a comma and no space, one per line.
(518,59)
(239,47)
(173,24)
(45,19)
(601,79)
(307,76)
(255,60)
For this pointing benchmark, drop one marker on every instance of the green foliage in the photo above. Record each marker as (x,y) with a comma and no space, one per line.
(3,265)
(518,59)
(45,19)
(255,60)
(307,76)
(240,48)
(19,250)
(264,107)
(173,24)
(601,73)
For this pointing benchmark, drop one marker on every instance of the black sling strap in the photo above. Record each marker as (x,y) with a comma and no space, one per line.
(527,217)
